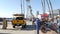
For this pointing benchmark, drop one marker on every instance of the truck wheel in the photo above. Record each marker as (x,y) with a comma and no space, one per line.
(13,26)
(43,29)
(23,26)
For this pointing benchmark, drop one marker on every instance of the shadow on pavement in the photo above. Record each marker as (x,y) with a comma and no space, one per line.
(5,33)
(16,29)
(12,29)
(29,27)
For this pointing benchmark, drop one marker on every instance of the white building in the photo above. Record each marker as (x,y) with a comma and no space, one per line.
(55,12)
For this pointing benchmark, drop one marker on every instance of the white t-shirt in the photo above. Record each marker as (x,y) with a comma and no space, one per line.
(39,16)
(55,21)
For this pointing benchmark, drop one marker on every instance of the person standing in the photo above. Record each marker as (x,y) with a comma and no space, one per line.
(37,25)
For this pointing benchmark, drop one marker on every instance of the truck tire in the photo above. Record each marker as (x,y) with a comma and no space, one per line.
(24,26)
(13,26)
(43,29)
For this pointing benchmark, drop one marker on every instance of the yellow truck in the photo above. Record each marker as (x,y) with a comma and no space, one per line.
(19,20)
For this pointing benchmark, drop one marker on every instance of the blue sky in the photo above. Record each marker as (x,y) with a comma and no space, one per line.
(9,7)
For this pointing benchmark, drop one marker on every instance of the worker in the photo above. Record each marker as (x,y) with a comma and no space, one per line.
(4,23)
(37,24)
(58,22)
(33,20)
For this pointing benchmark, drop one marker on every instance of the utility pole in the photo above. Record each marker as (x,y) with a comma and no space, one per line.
(43,5)
(48,8)
(51,8)
(24,6)
(21,6)
(27,3)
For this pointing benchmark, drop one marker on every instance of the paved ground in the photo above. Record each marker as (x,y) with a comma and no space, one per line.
(30,29)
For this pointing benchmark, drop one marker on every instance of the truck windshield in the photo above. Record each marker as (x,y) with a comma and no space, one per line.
(19,18)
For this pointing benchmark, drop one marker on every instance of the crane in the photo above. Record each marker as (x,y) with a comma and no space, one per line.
(49,7)
(30,13)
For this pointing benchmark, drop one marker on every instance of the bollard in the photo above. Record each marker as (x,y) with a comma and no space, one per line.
(37,25)
(4,23)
